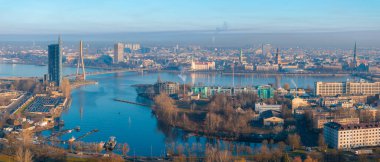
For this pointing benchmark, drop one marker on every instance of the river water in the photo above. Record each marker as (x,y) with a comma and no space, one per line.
(93,106)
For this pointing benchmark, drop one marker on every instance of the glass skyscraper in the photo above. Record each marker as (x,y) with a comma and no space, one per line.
(55,63)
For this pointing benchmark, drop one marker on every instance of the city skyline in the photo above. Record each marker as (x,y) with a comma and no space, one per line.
(190,80)
(100,17)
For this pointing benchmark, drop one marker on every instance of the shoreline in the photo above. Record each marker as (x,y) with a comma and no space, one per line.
(269,73)
(225,136)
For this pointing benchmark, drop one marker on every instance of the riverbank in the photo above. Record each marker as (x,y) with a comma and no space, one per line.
(220,118)
(77,84)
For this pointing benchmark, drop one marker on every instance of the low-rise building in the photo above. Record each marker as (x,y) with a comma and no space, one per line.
(273,121)
(202,66)
(336,101)
(347,88)
(351,136)
(267,67)
(261,107)
(208,91)
(265,91)
(169,88)
(299,102)
(319,121)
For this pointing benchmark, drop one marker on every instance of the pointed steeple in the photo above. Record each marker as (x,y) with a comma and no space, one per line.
(241,56)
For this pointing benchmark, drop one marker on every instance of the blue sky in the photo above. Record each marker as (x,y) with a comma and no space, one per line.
(261,16)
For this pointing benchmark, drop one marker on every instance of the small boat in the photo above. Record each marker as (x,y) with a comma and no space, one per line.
(61,123)
(77,128)
(110,144)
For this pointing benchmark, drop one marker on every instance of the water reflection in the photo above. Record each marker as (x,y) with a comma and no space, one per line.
(93,107)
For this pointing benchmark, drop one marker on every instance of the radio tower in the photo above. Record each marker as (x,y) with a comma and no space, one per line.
(81,63)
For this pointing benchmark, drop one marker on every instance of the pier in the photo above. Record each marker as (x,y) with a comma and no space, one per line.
(50,138)
(131,102)
(87,134)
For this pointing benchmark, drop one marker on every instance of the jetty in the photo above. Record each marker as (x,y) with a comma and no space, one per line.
(50,138)
(87,134)
(131,102)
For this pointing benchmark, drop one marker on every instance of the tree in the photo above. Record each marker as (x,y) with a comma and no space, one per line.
(66,87)
(23,155)
(366,116)
(213,121)
(308,89)
(308,159)
(286,86)
(165,108)
(282,146)
(214,154)
(294,141)
(321,142)
(377,116)
(125,149)
(19,154)
(286,158)
(297,159)
(26,138)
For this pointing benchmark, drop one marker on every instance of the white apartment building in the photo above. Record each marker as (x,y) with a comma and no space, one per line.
(351,136)
(261,107)
(347,88)
(202,65)
(118,55)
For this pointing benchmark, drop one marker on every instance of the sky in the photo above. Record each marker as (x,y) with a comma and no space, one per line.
(215,16)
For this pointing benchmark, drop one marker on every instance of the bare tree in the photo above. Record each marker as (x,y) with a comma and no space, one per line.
(66,88)
(321,142)
(286,86)
(125,149)
(165,108)
(23,155)
(294,141)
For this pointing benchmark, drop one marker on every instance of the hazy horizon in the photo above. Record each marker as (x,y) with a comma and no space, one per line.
(364,39)
(212,23)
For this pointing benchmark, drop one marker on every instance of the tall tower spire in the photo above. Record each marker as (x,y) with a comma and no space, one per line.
(241,56)
(355,57)
(59,40)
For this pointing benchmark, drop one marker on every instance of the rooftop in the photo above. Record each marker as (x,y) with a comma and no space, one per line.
(338,126)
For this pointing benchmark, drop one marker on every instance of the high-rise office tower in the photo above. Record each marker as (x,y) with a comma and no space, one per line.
(267,48)
(55,62)
(278,57)
(355,61)
(118,52)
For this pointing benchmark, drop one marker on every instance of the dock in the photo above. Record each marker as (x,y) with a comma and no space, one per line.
(67,131)
(131,102)
(87,134)
(60,133)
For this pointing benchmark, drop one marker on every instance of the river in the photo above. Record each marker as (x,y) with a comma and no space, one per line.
(93,108)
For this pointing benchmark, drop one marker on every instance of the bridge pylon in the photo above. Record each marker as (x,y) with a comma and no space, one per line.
(80,64)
